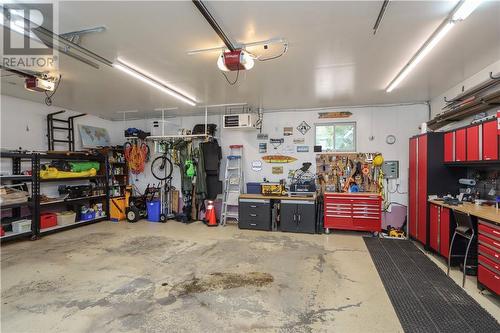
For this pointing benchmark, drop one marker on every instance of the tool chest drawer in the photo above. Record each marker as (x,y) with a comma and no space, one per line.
(489,264)
(489,242)
(489,253)
(489,279)
(489,230)
(347,211)
(254,214)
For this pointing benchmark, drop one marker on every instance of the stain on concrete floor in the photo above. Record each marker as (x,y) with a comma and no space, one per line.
(172,277)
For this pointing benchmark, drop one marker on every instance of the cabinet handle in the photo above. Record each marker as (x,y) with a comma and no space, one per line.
(253,224)
(253,215)
(253,206)
(496,244)
(299,216)
(496,277)
(294,217)
(496,232)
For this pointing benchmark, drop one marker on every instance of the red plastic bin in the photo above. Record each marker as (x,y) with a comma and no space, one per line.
(48,220)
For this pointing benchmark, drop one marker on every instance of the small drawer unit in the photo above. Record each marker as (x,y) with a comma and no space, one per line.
(349,211)
(254,214)
(489,256)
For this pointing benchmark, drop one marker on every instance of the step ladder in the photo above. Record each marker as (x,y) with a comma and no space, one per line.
(233,184)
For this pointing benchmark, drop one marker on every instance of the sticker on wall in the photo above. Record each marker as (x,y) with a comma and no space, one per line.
(276,142)
(262,147)
(257,166)
(299,141)
(303,127)
(288,149)
(278,159)
(277,170)
(262,136)
(287,131)
(302,149)
(341,114)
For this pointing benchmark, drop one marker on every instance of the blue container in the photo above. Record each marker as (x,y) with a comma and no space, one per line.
(154,210)
(87,216)
(253,188)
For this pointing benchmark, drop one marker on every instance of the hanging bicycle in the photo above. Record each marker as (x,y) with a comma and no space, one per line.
(162,166)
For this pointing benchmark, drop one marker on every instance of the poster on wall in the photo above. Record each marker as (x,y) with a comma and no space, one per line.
(278,159)
(93,137)
(302,149)
(299,141)
(287,131)
(288,149)
(277,170)
(262,147)
(303,127)
(262,136)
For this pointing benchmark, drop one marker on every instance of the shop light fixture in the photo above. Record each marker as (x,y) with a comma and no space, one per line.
(463,9)
(149,79)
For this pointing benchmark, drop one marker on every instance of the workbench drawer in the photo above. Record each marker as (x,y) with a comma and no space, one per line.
(490,264)
(254,214)
(489,242)
(489,230)
(489,253)
(489,279)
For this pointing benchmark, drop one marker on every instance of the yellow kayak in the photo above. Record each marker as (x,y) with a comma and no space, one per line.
(53,173)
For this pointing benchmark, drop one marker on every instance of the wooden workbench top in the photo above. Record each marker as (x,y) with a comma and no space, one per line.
(275,197)
(489,213)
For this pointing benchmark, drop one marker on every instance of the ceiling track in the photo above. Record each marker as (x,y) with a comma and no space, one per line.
(213,23)
(380,16)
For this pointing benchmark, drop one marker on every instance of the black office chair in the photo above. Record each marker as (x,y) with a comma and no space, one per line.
(465,229)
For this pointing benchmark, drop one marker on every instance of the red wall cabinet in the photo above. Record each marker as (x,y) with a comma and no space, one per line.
(490,141)
(460,145)
(449,147)
(422,189)
(473,143)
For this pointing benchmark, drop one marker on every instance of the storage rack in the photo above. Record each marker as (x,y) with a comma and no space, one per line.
(35,204)
(17,178)
(104,198)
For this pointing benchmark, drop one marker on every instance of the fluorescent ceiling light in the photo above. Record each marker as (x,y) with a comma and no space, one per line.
(465,8)
(460,13)
(146,78)
(428,46)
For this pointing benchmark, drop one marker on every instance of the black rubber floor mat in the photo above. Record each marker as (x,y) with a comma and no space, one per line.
(424,298)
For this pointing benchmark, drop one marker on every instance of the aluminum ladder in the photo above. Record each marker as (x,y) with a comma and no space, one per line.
(233,184)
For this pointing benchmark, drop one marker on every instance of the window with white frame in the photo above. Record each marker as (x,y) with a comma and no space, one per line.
(339,137)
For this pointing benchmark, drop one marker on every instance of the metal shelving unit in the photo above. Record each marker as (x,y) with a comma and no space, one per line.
(16,208)
(34,203)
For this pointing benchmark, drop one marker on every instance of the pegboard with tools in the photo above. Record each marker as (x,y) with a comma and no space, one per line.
(349,172)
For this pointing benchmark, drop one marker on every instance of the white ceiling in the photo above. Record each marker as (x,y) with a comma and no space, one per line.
(333,58)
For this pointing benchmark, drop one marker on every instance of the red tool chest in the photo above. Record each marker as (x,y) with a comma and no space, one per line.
(488,274)
(490,141)
(461,145)
(353,211)
(472,143)
(449,147)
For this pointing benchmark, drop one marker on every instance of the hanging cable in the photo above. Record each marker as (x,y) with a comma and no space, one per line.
(236,80)
(285,49)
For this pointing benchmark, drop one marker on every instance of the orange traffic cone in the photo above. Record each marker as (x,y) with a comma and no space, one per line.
(210,214)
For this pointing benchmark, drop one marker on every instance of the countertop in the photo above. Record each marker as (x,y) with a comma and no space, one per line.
(275,197)
(489,213)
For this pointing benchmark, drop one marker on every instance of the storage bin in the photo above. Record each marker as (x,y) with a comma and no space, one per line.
(154,210)
(65,218)
(88,215)
(48,220)
(253,188)
(21,226)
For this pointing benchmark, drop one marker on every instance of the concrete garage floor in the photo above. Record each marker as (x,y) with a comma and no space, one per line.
(149,277)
